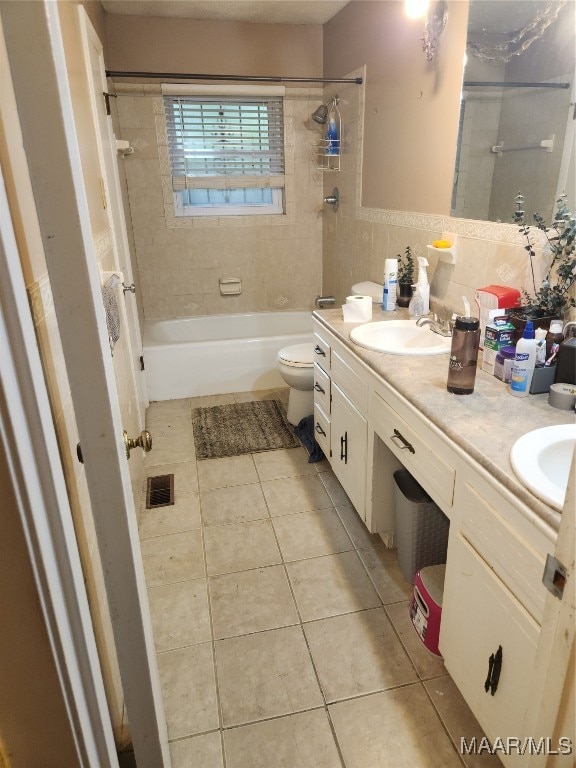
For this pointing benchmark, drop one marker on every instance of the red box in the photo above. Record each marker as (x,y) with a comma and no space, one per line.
(426,605)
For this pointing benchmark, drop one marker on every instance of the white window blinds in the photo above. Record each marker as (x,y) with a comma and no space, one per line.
(225,143)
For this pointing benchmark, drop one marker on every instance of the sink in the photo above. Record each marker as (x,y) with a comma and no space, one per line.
(541,460)
(400,337)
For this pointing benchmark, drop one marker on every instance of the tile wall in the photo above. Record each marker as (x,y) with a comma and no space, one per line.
(181,260)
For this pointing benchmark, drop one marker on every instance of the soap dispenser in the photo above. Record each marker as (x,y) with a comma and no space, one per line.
(423,287)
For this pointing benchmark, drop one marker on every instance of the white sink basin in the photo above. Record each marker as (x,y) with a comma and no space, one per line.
(541,460)
(400,337)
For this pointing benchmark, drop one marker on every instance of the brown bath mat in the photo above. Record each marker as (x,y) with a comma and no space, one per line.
(231,430)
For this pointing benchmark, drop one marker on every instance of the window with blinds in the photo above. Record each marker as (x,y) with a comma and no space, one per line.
(226,154)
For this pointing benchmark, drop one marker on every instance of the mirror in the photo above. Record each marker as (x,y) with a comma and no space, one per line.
(517,112)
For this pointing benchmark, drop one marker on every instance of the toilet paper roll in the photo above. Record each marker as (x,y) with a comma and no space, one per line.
(358,309)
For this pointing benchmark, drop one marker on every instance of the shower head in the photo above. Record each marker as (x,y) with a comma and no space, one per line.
(320,115)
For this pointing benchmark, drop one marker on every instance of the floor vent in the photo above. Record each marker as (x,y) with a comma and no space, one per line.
(159,491)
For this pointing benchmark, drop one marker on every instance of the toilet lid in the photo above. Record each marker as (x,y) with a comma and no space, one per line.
(297,355)
(368,288)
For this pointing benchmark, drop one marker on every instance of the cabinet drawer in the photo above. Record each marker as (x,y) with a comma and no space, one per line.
(321,351)
(350,382)
(322,429)
(479,615)
(418,451)
(321,388)
(495,532)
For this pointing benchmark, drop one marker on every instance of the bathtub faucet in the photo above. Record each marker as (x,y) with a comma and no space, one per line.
(321,301)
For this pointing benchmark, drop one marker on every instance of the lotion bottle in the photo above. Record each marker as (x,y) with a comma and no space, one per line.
(423,285)
(524,362)
(390,283)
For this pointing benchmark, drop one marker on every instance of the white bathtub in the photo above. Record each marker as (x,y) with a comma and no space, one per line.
(216,354)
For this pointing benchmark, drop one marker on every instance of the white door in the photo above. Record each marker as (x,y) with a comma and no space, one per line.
(96,76)
(45,109)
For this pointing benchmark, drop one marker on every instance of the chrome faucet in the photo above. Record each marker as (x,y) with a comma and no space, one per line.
(320,301)
(441,327)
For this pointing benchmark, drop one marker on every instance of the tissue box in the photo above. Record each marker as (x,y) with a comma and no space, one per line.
(495,297)
(499,333)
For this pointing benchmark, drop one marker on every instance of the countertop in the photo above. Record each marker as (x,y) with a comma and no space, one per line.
(484,424)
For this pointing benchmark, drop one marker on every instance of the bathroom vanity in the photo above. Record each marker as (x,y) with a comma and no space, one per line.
(375,412)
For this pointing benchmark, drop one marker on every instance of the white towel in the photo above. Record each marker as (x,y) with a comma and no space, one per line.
(112,311)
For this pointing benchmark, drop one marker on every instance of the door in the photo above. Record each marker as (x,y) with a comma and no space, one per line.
(133,400)
(348,439)
(45,108)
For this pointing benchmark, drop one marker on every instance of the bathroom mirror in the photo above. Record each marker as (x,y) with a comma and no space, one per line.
(517,112)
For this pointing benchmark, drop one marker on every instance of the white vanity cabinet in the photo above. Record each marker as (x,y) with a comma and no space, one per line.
(348,442)
(340,398)
(493,605)
(494,598)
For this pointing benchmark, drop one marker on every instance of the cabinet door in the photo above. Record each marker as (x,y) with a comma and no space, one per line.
(349,443)
(479,616)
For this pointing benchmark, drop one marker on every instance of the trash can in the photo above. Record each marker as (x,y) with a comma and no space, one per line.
(421,528)
(426,605)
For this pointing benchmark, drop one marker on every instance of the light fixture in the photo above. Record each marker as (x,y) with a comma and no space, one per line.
(435,15)
(434,24)
(320,115)
(416,9)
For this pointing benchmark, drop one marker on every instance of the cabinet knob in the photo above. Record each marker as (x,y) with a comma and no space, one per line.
(494,669)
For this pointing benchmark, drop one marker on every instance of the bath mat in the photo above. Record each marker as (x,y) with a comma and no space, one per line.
(231,430)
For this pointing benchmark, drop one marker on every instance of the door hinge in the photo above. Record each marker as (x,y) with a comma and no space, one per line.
(141,362)
(554,578)
(107,97)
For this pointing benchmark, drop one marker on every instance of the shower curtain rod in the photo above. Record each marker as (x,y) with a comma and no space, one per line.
(237,78)
(470,83)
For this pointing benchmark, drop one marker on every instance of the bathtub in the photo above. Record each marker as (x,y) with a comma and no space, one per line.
(217,354)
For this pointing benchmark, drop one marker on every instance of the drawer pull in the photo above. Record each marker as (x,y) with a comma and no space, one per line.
(344,448)
(318,388)
(319,429)
(319,351)
(494,669)
(401,441)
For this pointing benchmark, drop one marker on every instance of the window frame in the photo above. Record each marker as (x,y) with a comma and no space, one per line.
(277,207)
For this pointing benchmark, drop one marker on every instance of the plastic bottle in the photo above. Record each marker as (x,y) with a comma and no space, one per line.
(332,139)
(416,306)
(540,334)
(524,363)
(423,285)
(463,356)
(554,336)
(390,284)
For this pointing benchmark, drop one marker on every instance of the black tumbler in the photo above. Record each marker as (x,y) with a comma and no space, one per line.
(463,356)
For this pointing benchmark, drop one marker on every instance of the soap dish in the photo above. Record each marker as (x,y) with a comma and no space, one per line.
(447,255)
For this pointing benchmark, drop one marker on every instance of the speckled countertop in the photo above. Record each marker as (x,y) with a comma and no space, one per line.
(484,424)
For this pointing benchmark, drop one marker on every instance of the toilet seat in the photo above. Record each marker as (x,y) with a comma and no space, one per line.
(297,356)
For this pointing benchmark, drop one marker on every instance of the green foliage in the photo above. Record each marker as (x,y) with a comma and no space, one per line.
(406,266)
(552,298)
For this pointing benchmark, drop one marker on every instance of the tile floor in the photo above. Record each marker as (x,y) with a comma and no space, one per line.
(280,623)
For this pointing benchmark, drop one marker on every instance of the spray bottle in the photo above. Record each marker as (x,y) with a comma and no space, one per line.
(422,284)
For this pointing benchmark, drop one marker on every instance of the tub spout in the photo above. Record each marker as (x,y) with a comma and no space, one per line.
(322,301)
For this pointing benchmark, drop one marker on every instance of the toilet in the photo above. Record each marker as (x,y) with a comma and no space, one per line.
(296,366)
